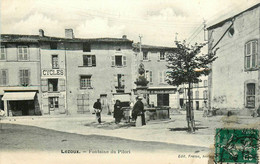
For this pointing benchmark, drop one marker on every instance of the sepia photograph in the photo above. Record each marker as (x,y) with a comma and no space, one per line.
(129,81)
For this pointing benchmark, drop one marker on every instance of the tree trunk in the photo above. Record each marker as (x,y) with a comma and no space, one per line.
(190,117)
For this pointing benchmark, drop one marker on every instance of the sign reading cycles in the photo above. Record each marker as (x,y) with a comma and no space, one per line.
(53,72)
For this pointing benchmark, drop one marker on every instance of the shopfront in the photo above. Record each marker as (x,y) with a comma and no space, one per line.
(53,91)
(21,103)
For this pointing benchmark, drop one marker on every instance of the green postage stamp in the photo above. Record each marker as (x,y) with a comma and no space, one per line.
(236,145)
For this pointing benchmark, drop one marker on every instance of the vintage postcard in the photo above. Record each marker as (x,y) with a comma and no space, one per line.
(129,81)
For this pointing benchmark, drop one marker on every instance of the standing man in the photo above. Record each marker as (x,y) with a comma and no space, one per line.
(97,108)
(138,110)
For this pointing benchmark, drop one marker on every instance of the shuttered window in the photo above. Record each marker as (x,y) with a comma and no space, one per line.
(89,60)
(24,76)
(3,53)
(251,53)
(3,77)
(23,53)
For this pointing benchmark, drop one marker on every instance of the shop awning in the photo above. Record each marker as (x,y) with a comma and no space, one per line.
(11,96)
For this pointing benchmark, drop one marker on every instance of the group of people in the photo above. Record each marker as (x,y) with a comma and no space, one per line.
(137,111)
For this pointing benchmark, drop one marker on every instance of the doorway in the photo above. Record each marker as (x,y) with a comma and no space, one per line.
(53,103)
(162,99)
(197,105)
(104,104)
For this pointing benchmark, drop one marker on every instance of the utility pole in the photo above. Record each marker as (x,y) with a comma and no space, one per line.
(176,36)
(205,30)
(140,44)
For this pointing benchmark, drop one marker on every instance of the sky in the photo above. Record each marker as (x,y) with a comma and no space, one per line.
(157,21)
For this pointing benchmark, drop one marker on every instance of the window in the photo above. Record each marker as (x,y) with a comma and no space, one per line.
(120,81)
(53,45)
(85,82)
(205,83)
(162,76)
(89,60)
(86,47)
(3,53)
(118,60)
(162,55)
(24,77)
(23,53)
(149,76)
(205,94)
(251,52)
(52,85)
(53,103)
(3,77)
(196,85)
(55,61)
(145,55)
(250,95)
(197,94)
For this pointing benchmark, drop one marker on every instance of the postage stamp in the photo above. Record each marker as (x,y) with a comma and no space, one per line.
(236,145)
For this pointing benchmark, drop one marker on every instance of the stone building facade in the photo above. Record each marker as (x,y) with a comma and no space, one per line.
(153,60)
(234,83)
(63,75)
(20,75)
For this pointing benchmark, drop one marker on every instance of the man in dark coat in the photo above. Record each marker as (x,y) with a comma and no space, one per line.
(138,110)
(118,112)
(97,108)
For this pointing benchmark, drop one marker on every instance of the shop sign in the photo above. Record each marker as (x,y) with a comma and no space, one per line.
(53,72)
(162,91)
(46,95)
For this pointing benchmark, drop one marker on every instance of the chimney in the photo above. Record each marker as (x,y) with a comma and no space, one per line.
(124,37)
(69,33)
(41,33)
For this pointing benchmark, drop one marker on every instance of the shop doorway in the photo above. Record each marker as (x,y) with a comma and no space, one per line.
(22,108)
(197,105)
(104,104)
(53,104)
(162,99)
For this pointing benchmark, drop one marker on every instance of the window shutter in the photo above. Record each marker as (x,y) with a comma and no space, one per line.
(85,60)
(113,60)
(1,78)
(148,55)
(151,77)
(21,76)
(61,84)
(164,76)
(123,79)
(29,75)
(115,80)
(160,76)
(44,85)
(93,60)
(159,56)
(25,53)
(248,48)
(124,60)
